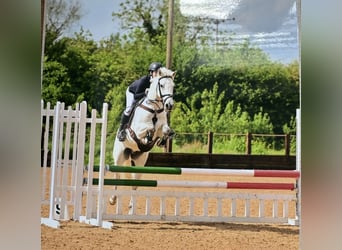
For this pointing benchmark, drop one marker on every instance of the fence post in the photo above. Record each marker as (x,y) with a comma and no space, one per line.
(168,144)
(210,142)
(287,144)
(248,143)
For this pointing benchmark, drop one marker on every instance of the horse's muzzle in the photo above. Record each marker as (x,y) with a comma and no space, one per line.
(169,105)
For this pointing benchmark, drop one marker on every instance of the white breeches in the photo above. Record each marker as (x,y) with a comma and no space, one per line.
(129,102)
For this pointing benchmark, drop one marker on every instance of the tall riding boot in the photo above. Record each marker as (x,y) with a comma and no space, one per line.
(123,123)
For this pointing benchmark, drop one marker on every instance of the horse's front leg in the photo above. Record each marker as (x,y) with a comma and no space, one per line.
(145,133)
(167,131)
(149,135)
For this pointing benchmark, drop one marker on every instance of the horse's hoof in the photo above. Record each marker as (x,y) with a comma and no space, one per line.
(130,210)
(149,138)
(122,135)
(171,133)
(112,200)
(162,142)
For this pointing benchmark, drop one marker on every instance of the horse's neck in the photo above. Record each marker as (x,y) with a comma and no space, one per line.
(153,92)
(152,95)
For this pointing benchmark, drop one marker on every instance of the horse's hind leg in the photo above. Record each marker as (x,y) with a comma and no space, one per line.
(113,198)
(121,157)
(138,159)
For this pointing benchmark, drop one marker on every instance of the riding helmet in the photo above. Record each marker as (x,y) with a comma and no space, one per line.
(155,66)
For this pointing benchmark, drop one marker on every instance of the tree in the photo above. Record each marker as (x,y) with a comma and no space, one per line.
(56,84)
(142,15)
(61,14)
(227,89)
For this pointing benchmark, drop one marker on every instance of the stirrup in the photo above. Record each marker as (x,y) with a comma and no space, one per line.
(122,135)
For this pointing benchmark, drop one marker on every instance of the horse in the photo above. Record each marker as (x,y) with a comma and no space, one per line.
(147,127)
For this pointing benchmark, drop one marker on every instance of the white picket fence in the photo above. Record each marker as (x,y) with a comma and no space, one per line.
(72,131)
(73,145)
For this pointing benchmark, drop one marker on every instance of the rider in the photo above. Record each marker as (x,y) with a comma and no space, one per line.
(134,93)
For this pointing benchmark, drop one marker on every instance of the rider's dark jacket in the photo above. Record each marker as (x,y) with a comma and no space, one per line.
(138,87)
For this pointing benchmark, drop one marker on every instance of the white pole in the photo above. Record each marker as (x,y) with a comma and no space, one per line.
(299,163)
(100,201)
(80,160)
(54,153)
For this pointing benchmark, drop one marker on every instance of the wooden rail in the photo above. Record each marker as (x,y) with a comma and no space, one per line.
(248,139)
(222,161)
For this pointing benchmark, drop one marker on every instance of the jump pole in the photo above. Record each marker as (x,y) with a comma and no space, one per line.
(197,184)
(203,171)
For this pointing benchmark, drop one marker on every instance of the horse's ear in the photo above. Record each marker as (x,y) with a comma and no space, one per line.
(158,73)
(174,74)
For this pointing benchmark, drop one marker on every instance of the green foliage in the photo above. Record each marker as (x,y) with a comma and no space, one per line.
(228,89)
(203,113)
(268,86)
(56,84)
(291,130)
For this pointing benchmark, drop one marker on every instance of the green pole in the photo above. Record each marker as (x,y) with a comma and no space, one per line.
(142,170)
(127,182)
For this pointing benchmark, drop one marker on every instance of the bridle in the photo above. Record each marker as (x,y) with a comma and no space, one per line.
(163,98)
(160,91)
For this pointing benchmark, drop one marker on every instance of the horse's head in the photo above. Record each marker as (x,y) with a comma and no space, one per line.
(161,88)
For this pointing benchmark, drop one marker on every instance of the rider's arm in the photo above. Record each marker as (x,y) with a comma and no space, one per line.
(141,85)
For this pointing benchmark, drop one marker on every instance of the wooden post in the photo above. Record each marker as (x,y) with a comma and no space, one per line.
(168,146)
(169,58)
(42,37)
(248,143)
(287,144)
(169,35)
(210,142)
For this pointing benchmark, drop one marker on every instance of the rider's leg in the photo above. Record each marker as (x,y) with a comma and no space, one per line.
(123,123)
(126,115)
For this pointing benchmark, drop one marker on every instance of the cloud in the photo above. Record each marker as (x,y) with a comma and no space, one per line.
(262,15)
(208,8)
(252,15)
